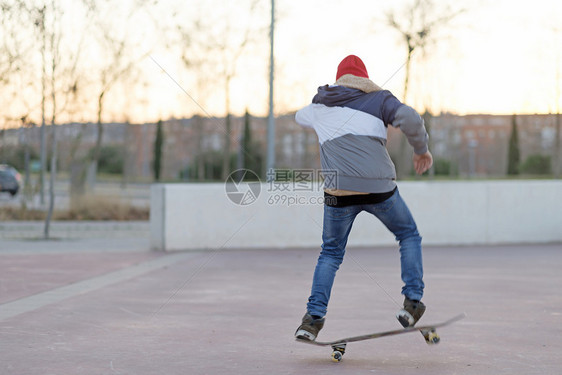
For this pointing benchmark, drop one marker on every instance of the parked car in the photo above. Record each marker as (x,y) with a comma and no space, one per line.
(10,179)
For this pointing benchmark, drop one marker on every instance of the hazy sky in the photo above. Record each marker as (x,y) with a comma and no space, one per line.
(498,57)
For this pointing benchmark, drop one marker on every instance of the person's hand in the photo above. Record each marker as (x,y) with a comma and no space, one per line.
(423,162)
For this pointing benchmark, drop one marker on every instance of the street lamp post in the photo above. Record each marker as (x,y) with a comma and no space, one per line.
(270,160)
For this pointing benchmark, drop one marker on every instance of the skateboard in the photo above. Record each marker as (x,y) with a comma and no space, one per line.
(428,331)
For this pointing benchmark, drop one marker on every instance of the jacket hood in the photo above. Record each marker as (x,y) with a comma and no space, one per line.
(346,88)
(336,96)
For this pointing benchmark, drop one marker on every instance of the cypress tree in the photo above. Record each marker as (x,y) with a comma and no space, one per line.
(513,158)
(158,144)
(251,157)
(247,142)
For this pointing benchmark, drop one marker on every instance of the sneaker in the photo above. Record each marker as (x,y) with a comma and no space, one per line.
(411,313)
(309,328)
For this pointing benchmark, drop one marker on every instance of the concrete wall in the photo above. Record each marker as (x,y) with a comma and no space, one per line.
(201,216)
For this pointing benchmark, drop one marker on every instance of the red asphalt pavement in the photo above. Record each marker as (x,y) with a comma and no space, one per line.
(113,307)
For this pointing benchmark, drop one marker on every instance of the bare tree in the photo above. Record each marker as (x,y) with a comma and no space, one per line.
(60,77)
(13,46)
(557,152)
(221,47)
(49,30)
(417,23)
(119,61)
(40,23)
(229,63)
(15,51)
(195,46)
(32,28)
(54,44)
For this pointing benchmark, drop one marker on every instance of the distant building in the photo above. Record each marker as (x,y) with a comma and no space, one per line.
(475,144)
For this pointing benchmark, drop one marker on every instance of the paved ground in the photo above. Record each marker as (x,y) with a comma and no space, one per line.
(113,307)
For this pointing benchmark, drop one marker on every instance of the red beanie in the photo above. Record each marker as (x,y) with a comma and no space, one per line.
(352,65)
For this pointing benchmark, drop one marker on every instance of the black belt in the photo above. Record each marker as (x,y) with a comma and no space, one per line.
(357,199)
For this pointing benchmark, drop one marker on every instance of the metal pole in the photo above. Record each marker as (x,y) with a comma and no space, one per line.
(270,161)
(557,162)
(43,150)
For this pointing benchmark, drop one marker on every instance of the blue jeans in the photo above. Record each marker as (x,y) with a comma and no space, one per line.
(396,216)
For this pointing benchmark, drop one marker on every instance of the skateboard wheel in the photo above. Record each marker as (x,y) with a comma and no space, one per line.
(433,338)
(337,356)
(338,351)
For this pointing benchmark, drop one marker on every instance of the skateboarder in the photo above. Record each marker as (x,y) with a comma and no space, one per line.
(351,119)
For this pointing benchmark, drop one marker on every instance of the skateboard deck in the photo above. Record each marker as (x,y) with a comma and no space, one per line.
(428,332)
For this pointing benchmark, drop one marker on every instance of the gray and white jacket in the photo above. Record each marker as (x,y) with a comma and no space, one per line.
(351,125)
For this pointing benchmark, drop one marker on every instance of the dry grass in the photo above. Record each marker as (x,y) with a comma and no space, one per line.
(87,208)
(11,214)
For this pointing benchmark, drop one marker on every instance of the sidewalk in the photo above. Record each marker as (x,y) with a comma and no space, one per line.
(110,306)
(74,229)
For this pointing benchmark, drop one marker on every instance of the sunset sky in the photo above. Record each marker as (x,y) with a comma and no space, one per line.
(497,57)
